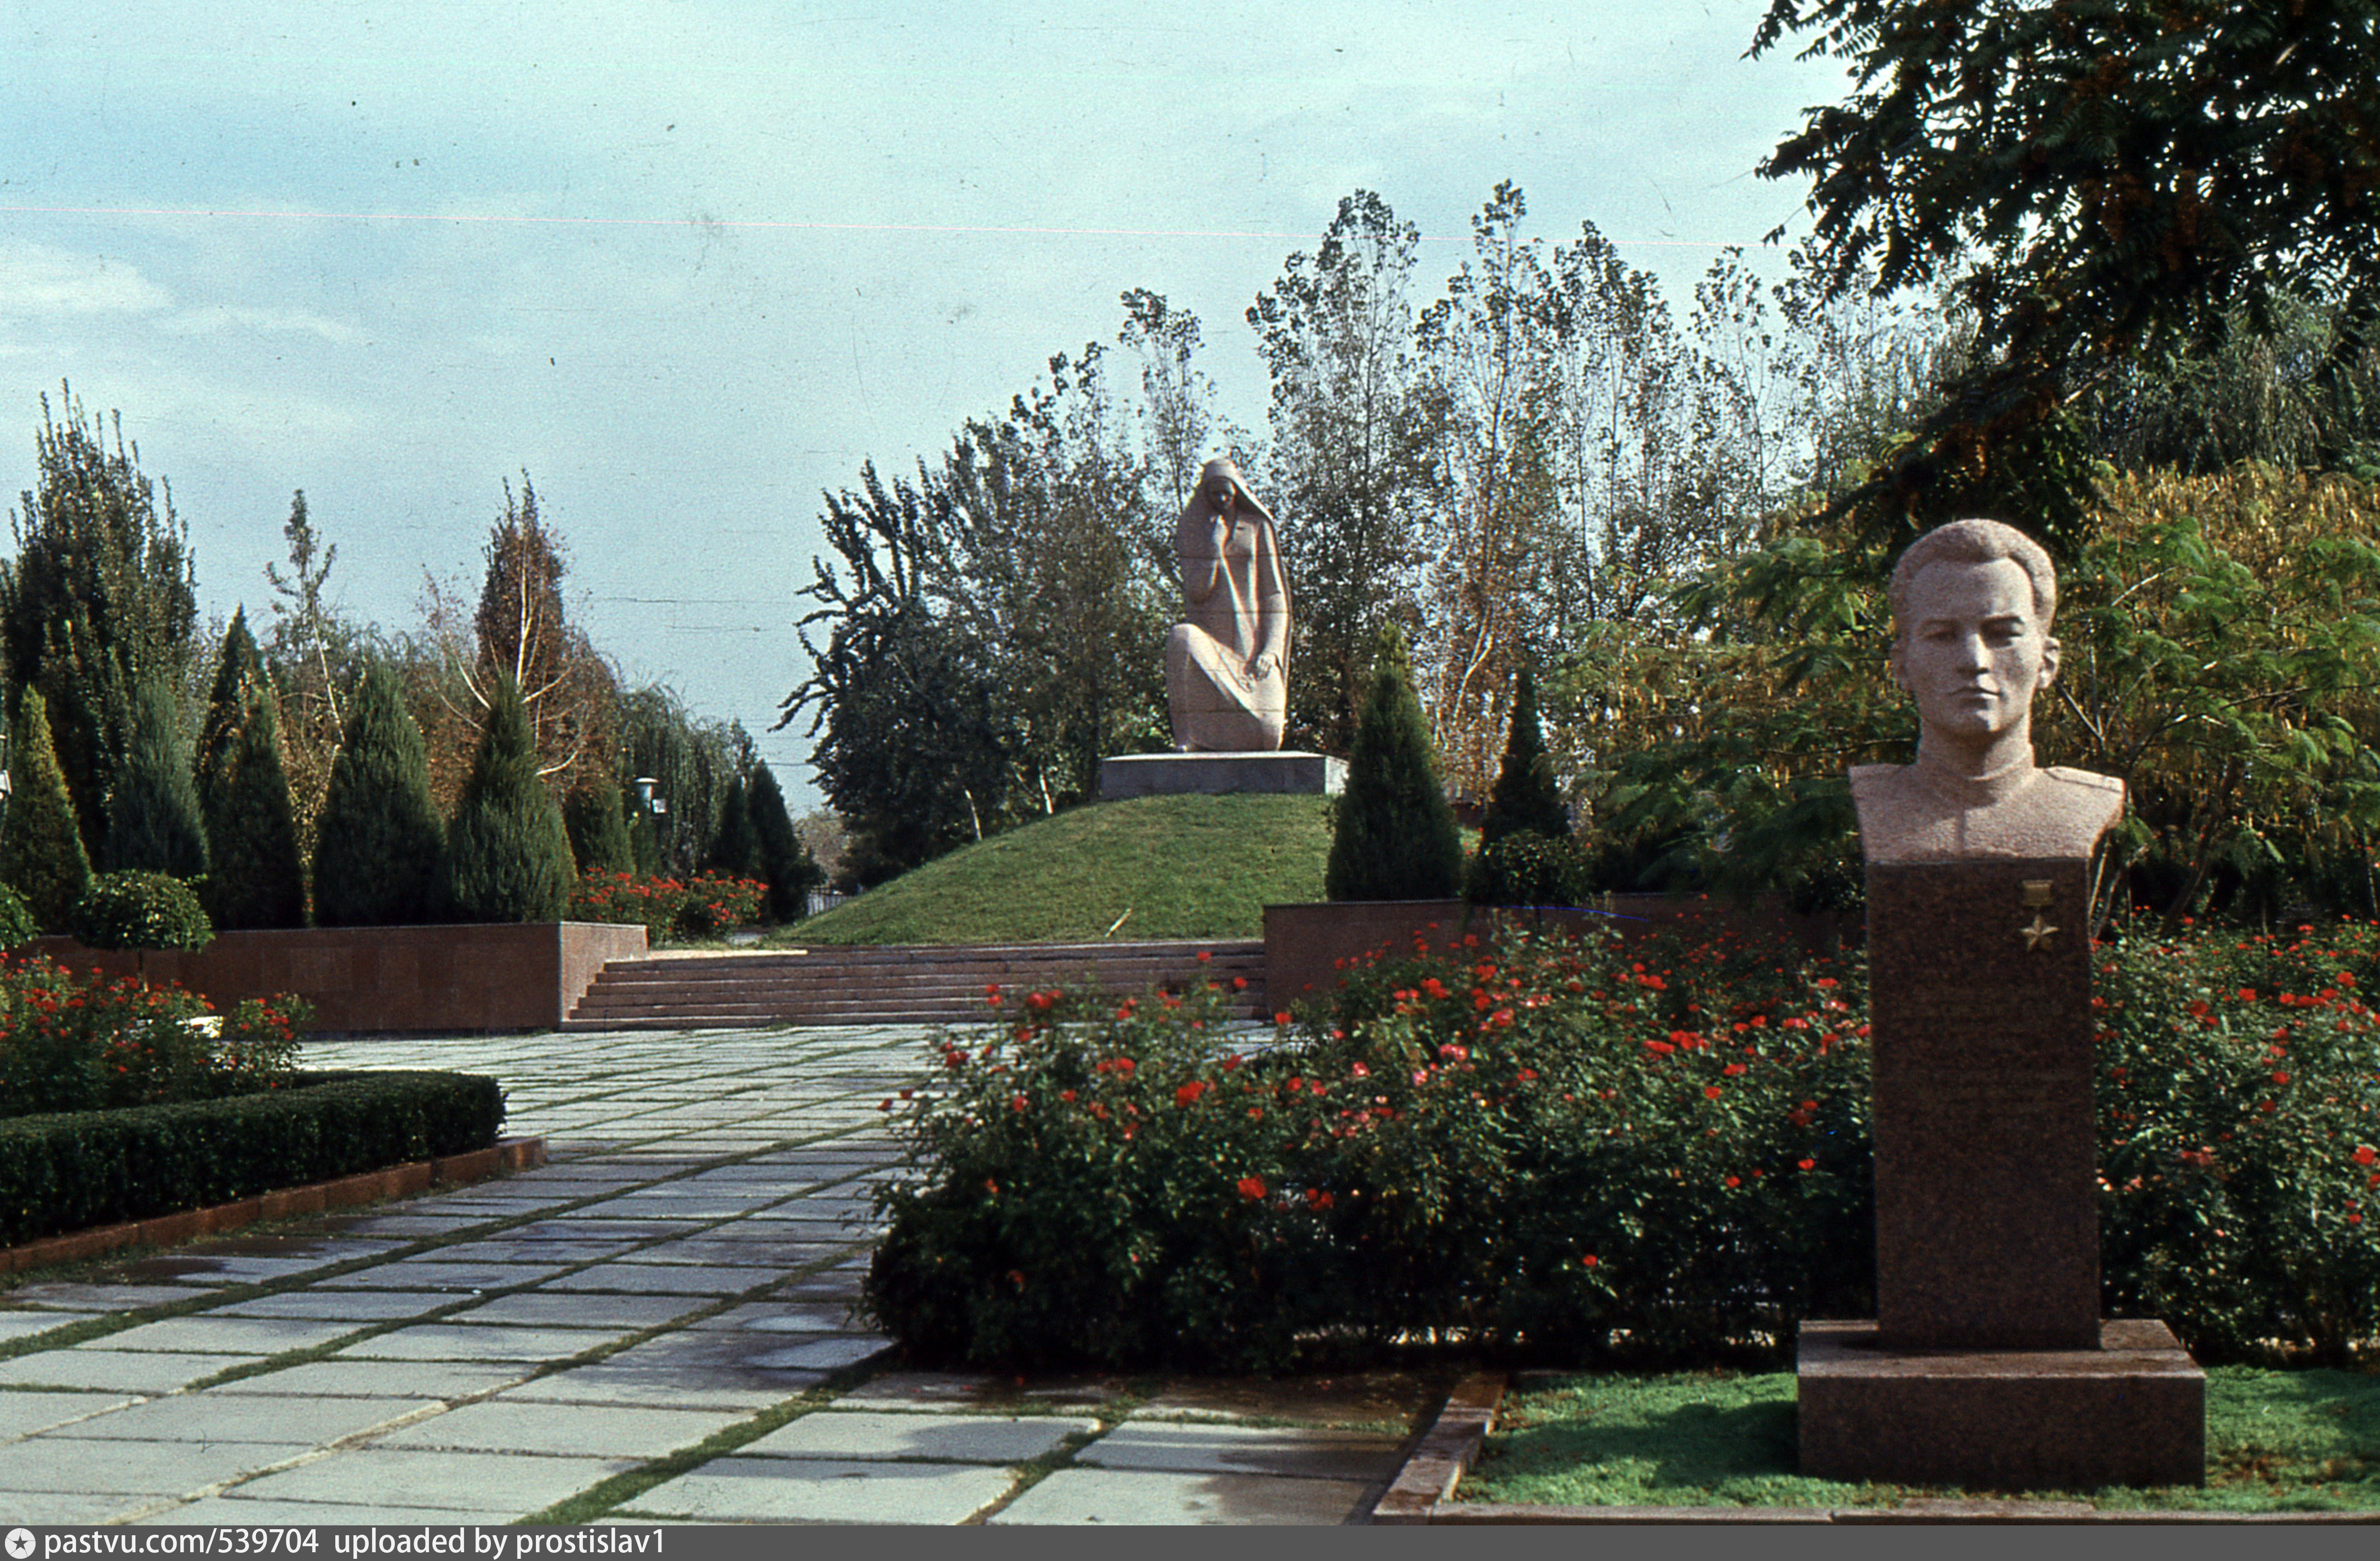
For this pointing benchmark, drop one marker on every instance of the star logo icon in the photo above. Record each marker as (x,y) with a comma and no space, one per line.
(2037,934)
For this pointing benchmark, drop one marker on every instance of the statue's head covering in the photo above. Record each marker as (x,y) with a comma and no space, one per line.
(1222,466)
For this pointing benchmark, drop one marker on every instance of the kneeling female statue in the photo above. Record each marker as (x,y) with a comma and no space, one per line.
(1227,663)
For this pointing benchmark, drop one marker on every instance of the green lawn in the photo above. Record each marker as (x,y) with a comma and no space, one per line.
(2276,1441)
(1185,867)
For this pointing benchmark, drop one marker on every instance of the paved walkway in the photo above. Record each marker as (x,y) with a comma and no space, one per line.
(655,1326)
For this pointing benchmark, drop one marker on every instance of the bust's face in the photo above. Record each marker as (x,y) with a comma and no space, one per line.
(1973,652)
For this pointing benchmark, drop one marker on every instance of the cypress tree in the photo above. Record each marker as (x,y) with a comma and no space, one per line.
(380,849)
(258,878)
(508,853)
(1526,796)
(153,822)
(40,843)
(1396,838)
(238,673)
(735,849)
(785,862)
(599,833)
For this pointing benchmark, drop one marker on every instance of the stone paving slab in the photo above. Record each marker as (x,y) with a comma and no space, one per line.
(24,1324)
(425,1274)
(1299,1452)
(65,1507)
(360,1306)
(210,1416)
(379,1379)
(499,1484)
(607,1431)
(1139,1498)
(742,1490)
(21,1414)
(511,1249)
(596,1311)
(965,1393)
(67,1296)
(863,1434)
(662,1279)
(665,1387)
(210,1334)
(163,1469)
(459,1341)
(781,1317)
(121,1371)
(232,1510)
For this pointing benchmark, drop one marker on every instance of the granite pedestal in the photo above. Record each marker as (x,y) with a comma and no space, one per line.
(1164,774)
(1988,1364)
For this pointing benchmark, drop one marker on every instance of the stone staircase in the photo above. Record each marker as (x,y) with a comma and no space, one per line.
(894,985)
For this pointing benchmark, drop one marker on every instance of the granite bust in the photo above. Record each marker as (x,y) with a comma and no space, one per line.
(1227,662)
(1971,604)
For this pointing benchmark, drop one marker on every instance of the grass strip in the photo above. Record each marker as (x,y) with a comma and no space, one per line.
(2305,1441)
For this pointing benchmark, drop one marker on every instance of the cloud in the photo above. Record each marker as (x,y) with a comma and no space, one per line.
(38,279)
(231,317)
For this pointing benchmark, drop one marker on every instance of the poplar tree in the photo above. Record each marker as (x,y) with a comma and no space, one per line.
(785,862)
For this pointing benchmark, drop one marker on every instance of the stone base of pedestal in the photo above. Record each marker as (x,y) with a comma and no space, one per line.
(2131,1412)
(1167,775)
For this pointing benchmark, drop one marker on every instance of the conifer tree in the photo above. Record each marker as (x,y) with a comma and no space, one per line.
(1526,795)
(1396,838)
(258,878)
(153,822)
(40,843)
(239,672)
(508,853)
(735,849)
(598,832)
(380,850)
(785,861)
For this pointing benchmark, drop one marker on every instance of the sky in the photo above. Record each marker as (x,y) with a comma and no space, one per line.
(690,263)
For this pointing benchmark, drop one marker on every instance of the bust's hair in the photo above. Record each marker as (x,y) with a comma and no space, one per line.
(1973,542)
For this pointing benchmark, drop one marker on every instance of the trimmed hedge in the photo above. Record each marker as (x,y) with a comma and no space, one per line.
(74,1172)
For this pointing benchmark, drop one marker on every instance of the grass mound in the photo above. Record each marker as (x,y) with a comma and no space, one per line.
(2276,1441)
(1184,867)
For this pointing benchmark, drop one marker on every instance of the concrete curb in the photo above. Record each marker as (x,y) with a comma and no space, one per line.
(1423,1492)
(365,1187)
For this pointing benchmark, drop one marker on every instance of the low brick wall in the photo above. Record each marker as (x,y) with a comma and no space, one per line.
(1308,946)
(473,976)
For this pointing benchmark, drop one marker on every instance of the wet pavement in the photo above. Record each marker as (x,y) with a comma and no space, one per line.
(657,1325)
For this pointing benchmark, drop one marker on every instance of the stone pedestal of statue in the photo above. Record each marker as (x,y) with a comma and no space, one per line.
(1988,1365)
(1283,770)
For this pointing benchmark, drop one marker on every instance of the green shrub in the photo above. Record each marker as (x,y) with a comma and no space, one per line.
(1395,838)
(154,824)
(72,1044)
(508,855)
(141,910)
(62,1173)
(1585,1153)
(17,924)
(599,830)
(42,853)
(783,859)
(380,849)
(1526,868)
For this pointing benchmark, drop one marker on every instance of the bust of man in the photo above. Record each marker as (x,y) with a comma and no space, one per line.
(1971,603)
